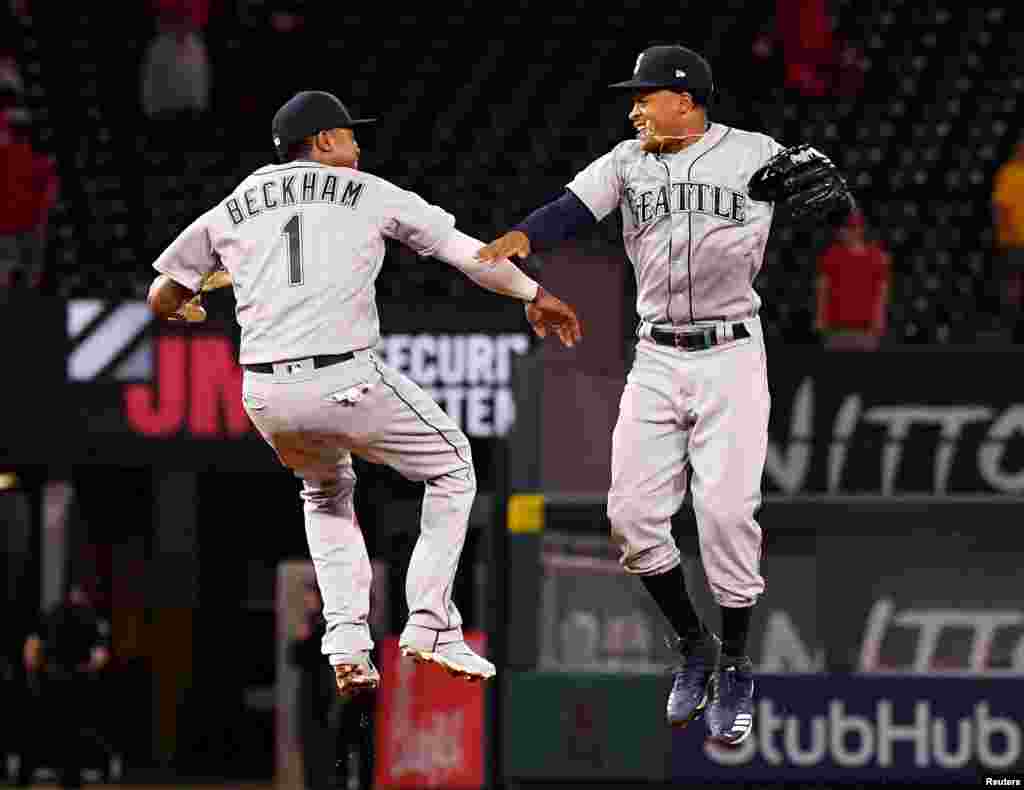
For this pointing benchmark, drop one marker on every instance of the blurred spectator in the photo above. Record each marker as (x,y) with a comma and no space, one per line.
(61,659)
(11,85)
(289,29)
(28,190)
(175,71)
(192,14)
(817,62)
(316,694)
(1008,218)
(853,289)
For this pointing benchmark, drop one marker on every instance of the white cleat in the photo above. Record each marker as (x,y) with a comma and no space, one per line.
(456,658)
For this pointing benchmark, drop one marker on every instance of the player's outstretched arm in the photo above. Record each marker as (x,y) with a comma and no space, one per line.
(557,221)
(546,312)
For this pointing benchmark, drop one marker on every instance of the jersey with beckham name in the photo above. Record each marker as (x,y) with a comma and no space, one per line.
(695,238)
(304,243)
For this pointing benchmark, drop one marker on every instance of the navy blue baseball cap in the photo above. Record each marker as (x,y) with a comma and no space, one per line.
(672,67)
(309,112)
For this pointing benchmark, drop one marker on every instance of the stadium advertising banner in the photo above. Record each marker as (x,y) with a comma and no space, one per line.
(102,380)
(127,389)
(430,726)
(922,421)
(837,728)
(595,618)
(862,587)
(830,729)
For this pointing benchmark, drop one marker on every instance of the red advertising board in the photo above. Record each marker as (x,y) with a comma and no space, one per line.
(430,726)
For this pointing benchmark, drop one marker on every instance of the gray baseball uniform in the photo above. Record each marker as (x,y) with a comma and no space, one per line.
(696,242)
(303,243)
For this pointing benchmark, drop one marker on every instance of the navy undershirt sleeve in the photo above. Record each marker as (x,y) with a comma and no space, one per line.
(556,221)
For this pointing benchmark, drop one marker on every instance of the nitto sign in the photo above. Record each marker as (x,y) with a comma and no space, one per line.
(943,640)
(882,444)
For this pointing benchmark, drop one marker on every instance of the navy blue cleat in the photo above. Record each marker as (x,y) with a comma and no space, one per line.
(731,710)
(691,678)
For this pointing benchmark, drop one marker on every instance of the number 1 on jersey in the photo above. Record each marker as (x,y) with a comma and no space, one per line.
(293,233)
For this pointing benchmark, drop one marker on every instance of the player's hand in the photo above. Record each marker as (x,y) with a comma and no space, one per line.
(191,311)
(549,313)
(515,242)
(218,278)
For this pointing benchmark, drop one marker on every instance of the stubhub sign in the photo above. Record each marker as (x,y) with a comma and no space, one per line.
(859,728)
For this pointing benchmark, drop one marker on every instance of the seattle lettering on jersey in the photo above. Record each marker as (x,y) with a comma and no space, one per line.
(684,196)
(292,190)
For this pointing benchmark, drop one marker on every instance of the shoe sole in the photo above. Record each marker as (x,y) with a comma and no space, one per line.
(449,666)
(349,679)
(723,740)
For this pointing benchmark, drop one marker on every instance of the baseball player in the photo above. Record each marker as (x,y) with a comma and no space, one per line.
(696,200)
(302,243)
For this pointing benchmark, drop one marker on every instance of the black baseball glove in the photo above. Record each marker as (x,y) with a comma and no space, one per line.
(804,184)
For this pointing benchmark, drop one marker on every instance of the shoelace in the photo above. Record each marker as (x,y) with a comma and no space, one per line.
(731,682)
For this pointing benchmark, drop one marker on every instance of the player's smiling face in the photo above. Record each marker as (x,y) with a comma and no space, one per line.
(659,112)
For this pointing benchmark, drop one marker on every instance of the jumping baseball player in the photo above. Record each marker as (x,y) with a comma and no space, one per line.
(302,243)
(696,200)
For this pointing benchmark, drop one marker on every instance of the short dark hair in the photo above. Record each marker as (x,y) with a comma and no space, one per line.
(300,149)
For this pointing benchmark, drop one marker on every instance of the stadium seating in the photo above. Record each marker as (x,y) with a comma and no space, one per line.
(491,127)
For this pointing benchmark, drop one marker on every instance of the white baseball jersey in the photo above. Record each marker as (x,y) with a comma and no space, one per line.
(694,237)
(304,243)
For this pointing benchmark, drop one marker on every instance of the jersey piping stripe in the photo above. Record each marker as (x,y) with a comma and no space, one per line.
(689,237)
(425,421)
(422,419)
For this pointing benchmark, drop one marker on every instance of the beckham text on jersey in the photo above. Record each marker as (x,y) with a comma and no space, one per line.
(284,191)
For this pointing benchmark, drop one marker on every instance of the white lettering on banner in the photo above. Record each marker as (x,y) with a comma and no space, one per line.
(899,419)
(422,352)
(845,425)
(782,650)
(983,625)
(990,456)
(396,351)
(478,412)
(852,741)
(790,468)
(469,375)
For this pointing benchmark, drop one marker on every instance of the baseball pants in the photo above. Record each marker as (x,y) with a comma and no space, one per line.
(315,419)
(703,414)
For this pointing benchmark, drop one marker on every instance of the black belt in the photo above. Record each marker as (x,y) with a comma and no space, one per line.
(322,361)
(696,339)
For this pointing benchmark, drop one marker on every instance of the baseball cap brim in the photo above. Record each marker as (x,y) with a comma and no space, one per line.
(647,84)
(360,122)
